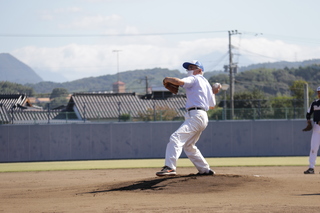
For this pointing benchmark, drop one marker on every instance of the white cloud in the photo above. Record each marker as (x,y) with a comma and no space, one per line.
(76,61)
(94,22)
(56,13)
(263,50)
(67,10)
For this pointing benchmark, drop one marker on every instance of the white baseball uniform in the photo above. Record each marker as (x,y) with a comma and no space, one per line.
(199,98)
(315,143)
(315,139)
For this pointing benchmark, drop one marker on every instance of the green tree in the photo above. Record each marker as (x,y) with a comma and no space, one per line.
(59,92)
(57,102)
(251,105)
(14,88)
(215,114)
(58,97)
(125,117)
(161,113)
(297,89)
(282,107)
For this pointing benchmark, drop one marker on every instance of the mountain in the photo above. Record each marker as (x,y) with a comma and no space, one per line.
(138,80)
(280,65)
(13,70)
(135,80)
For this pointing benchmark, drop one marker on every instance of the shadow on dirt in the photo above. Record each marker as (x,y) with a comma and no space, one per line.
(152,184)
(176,184)
(310,194)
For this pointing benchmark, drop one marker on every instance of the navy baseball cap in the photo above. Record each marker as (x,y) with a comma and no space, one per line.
(194,62)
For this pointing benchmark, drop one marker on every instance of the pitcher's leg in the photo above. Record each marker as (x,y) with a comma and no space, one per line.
(195,155)
(198,122)
(173,152)
(176,143)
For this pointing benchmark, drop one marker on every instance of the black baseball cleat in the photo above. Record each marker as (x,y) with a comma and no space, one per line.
(309,171)
(208,173)
(166,171)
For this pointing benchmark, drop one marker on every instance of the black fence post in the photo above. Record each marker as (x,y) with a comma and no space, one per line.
(84,112)
(48,113)
(12,116)
(119,111)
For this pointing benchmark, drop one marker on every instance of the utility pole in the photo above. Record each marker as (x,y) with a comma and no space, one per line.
(306,97)
(231,71)
(117,51)
(147,82)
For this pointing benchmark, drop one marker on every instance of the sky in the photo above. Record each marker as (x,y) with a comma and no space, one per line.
(66,40)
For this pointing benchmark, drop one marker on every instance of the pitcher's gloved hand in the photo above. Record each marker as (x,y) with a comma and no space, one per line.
(171,87)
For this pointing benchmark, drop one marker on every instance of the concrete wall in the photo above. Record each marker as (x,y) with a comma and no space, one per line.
(91,141)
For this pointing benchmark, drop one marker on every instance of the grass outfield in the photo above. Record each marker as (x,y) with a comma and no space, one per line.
(149,163)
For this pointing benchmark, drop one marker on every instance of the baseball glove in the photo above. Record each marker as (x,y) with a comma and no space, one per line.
(309,127)
(171,87)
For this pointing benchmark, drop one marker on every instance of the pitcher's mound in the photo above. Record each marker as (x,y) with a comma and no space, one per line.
(188,184)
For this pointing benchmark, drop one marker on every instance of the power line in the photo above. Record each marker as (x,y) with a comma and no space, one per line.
(258,54)
(105,35)
(219,61)
(292,38)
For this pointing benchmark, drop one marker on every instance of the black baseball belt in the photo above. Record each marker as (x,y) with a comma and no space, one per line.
(196,108)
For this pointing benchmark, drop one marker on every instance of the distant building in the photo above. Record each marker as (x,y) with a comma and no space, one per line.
(119,87)
(111,106)
(18,108)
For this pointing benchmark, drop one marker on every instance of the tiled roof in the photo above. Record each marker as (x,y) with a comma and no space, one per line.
(14,108)
(91,106)
(10,100)
(111,105)
(9,103)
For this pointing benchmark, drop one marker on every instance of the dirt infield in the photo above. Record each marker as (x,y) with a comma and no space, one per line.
(233,189)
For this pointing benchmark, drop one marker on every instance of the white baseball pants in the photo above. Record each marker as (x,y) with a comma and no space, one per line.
(185,137)
(315,143)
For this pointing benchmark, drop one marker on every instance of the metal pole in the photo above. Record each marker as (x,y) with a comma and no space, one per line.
(119,111)
(147,84)
(306,97)
(231,66)
(225,105)
(231,79)
(48,113)
(84,112)
(117,51)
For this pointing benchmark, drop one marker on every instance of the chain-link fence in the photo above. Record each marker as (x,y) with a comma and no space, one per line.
(257,113)
(55,117)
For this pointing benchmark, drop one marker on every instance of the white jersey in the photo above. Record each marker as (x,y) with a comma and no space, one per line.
(199,92)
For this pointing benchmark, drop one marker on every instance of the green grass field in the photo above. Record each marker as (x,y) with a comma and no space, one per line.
(149,163)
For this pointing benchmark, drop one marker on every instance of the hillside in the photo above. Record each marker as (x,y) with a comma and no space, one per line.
(280,65)
(13,70)
(135,81)
(271,78)
(272,81)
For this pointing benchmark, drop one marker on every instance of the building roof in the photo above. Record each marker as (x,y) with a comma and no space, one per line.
(118,83)
(15,108)
(91,106)
(111,105)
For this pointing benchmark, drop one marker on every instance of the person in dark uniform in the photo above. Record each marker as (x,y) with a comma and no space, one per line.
(315,139)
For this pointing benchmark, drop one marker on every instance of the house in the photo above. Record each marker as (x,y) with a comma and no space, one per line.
(159,105)
(17,108)
(115,106)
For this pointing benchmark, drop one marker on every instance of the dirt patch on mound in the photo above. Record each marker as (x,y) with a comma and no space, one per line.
(232,190)
(187,184)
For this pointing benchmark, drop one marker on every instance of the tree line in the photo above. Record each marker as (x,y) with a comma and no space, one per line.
(257,88)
